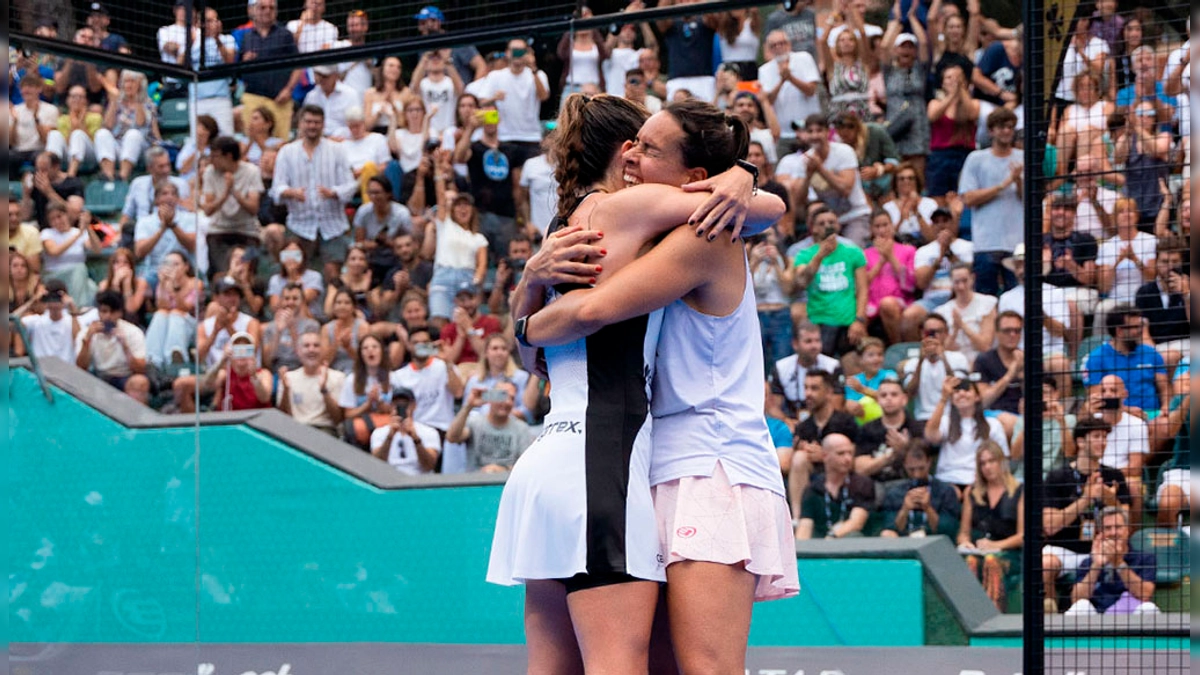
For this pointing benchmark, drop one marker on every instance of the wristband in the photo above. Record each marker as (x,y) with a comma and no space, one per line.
(519,331)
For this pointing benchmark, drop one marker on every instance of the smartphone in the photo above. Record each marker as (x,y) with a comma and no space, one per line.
(519,53)
(109,326)
(752,86)
(432,145)
(242,351)
(494,396)
(489,116)
(1110,403)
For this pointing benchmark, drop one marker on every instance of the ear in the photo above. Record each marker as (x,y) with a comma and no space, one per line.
(626,147)
(696,175)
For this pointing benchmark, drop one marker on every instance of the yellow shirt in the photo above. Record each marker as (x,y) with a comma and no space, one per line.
(27,241)
(91,121)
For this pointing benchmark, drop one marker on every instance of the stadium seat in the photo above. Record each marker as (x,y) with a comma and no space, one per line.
(1170,549)
(900,352)
(105,198)
(15,189)
(173,115)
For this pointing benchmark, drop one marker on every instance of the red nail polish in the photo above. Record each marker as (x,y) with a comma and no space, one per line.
(592,280)
(599,235)
(599,269)
(603,251)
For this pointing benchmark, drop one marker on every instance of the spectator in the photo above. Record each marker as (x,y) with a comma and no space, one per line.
(508,274)
(341,335)
(212,96)
(1093,216)
(1058,448)
(382,100)
(874,151)
(962,431)
(1124,262)
(1083,122)
(1086,53)
(243,263)
(122,278)
(293,261)
(167,229)
(790,79)
(272,90)
(891,277)
(799,25)
(435,382)
(33,128)
(312,32)
(463,337)
(1069,258)
(838,503)
(496,438)
(23,237)
(846,52)
(173,324)
(238,380)
(66,245)
(536,191)
(281,337)
(1177,81)
(309,393)
(378,221)
(314,179)
(467,60)
(111,348)
(497,366)
(98,20)
(53,332)
(366,395)
(490,165)
(785,227)
(773,287)
(79,126)
(262,144)
(1146,153)
(411,447)
(1139,365)
(997,78)
(651,65)
(1107,25)
(83,73)
(130,126)
(1002,370)
(837,302)
(826,417)
(924,375)
(636,88)
(922,505)
(952,121)
(231,196)
(987,176)
(518,92)
(465,109)
(334,97)
(993,524)
(1138,25)
(956,38)
(883,445)
(224,320)
(828,172)
(971,315)
(409,140)
(623,52)
(689,41)
(24,285)
(411,273)
(140,201)
(359,75)
(48,185)
(173,37)
(788,375)
(1113,579)
(1164,300)
(582,52)
(756,111)
(197,149)
(1128,446)
(1147,85)
(903,58)
(453,241)
(865,383)
(366,151)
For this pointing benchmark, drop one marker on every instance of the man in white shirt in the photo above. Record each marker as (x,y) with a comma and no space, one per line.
(53,332)
(412,448)
(434,382)
(791,81)
(518,92)
(924,375)
(1093,216)
(1128,444)
(139,201)
(828,172)
(334,97)
(173,38)
(359,75)
(311,31)
(111,347)
(786,378)
(33,126)
(168,228)
(309,394)
(231,196)
(537,195)
(1060,314)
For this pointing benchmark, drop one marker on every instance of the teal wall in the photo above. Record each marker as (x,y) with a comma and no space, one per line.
(106,541)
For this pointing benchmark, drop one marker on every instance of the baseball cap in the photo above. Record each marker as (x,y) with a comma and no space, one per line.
(225,284)
(1018,255)
(1067,199)
(326,69)
(97,8)
(429,12)
(403,392)
(906,38)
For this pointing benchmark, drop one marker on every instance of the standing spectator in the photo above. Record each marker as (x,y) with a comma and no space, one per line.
(311,31)
(48,185)
(925,374)
(111,347)
(79,126)
(971,315)
(773,287)
(294,269)
(962,431)
(623,52)
(799,25)
(1060,321)
(955,38)
(825,418)
(651,65)
(1164,300)
(1177,81)
(987,176)
(438,84)
(309,393)
(213,96)
(197,149)
(1086,53)
(33,128)
(952,120)
(173,325)
(382,101)
(837,302)
(518,92)
(172,38)
(1083,122)
(214,333)
(839,502)
(1069,257)
(282,336)
(408,138)
(314,179)
(467,59)
(169,228)
(490,164)
(1137,30)
(271,90)
(581,53)
(922,505)
(261,145)
(1138,364)
(1094,215)
(231,196)
(411,447)
(1002,370)
(494,439)
(1124,262)
(54,332)
(83,73)
(791,80)
(359,75)
(997,78)
(1128,445)
(334,97)
(24,285)
(903,58)
(454,242)
(463,338)
(847,51)
(1113,579)
(993,523)
(537,190)
(140,201)
(238,380)
(66,244)
(788,375)
(130,126)
(434,382)
(689,42)
(1147,86)
(738,41)
(882,450)
(829,171)
(508,274)
(1146,153)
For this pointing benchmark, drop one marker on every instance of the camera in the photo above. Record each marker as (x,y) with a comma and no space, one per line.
(494,396)
(53,296)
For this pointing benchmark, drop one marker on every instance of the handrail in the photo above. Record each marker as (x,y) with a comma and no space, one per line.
(17,327)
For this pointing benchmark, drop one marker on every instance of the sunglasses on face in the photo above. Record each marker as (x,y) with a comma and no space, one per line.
(634,82)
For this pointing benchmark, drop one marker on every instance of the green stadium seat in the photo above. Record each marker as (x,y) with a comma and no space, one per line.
(173,115)
(105,198)
(1170,549)
(16,189)
(900,352)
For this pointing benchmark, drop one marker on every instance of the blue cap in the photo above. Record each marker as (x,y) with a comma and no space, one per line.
(430,12)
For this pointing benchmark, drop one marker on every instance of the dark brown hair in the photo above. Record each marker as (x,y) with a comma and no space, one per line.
(589,133)
(713,140)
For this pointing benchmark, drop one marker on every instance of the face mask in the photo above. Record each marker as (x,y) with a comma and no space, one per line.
(291,256)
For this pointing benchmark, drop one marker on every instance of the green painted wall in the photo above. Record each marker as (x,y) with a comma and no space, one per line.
(105,539)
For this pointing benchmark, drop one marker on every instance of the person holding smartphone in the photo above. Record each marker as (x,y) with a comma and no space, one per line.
(111,347)
(410,447)
(518,92)
(494,439)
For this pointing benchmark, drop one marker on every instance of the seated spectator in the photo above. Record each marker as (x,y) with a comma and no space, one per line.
(98,20)
(774,284)
(411,447)
(33,128)
(414,315)
(367,151)
(293,263)
(173,324)
(309,393)
(790,78)
(997,79)
(122,277)
(785,227)
(463,336)
(911,213)
(865,383)
(962,431)
(1128,446)
(1163,300)
(241,273)
(66,245)
(130,126)
(924,376)
(1060,321)
(141,198)
(837,302)
(789,374)
(111,348)
(262,143)
(1114,579)
(454,243)
(341,336)
(366,395)
(829,172)
(380,219)
(72,72)
(1124,262)
(197,149)
(435,382)
(1138,364)
(1072,255)
(335,98)
(1058,447)
(508,273)
(993,523)
(382,101)
(411,274)
(1094,215)
(1084,121)
(78,125)
(891,277)
(1074,494)
(167,229)
(952,120)
(497,365)
(883,442)
(837,503)
(825,418)
(636,87)
(239,383)
(24,284)
(495,438)
(1002,370)
(212,96)
(23,237)
(922,505)
(223,321)
(232,194)
(970,315)
(48,185)
(54,331)
(876,153)
(281,336)
(437,82)
(312,32)
(356,279)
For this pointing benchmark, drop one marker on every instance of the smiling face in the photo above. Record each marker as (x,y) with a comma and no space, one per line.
(343,305)
(370,350)
(656,156)
(391,69)
(356,260)
(414,313)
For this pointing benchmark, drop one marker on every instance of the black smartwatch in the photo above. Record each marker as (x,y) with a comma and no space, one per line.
(753,172)
(519,331)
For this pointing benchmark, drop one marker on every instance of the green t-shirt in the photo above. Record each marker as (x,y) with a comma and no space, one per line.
(831,294)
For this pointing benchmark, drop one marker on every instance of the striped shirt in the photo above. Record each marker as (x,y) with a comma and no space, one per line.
(327,167)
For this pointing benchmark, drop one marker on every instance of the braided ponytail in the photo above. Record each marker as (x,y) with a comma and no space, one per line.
(589,133)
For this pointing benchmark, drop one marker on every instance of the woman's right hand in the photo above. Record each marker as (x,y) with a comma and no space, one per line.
(565,258)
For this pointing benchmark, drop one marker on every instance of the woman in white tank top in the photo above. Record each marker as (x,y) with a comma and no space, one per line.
(698,391)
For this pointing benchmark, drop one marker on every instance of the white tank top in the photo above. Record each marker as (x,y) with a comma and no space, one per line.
(708,397)
(744,47)
(585,66)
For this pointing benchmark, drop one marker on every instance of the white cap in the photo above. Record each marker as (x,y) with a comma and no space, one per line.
(906,38)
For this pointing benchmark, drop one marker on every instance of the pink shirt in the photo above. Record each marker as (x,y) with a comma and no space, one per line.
(887,283)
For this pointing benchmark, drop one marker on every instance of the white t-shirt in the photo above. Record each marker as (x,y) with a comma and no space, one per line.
(316,37)
(108,357)
(434,404)
(50,338)
(1054,303)
(308,403)
(1128,435)
(537,176)
(335,105)
(1127,276)
(956,461)
(1073,65)
(791,373)
(1183,112)
(348,399)
(519,109)
(172,33)
(440,94)
(980,306)
(911,225)
(931,254)
(411,146)
(620,60)
(1087,220)
(929,391)
(370,148)
(403,453)
(791,104)
(841,157)
(27,121)
(456,245)
(75,255)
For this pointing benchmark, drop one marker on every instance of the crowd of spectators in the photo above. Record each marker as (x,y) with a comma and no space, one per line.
(339,242)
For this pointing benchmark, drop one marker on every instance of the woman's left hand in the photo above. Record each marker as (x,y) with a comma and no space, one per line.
(728,206)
